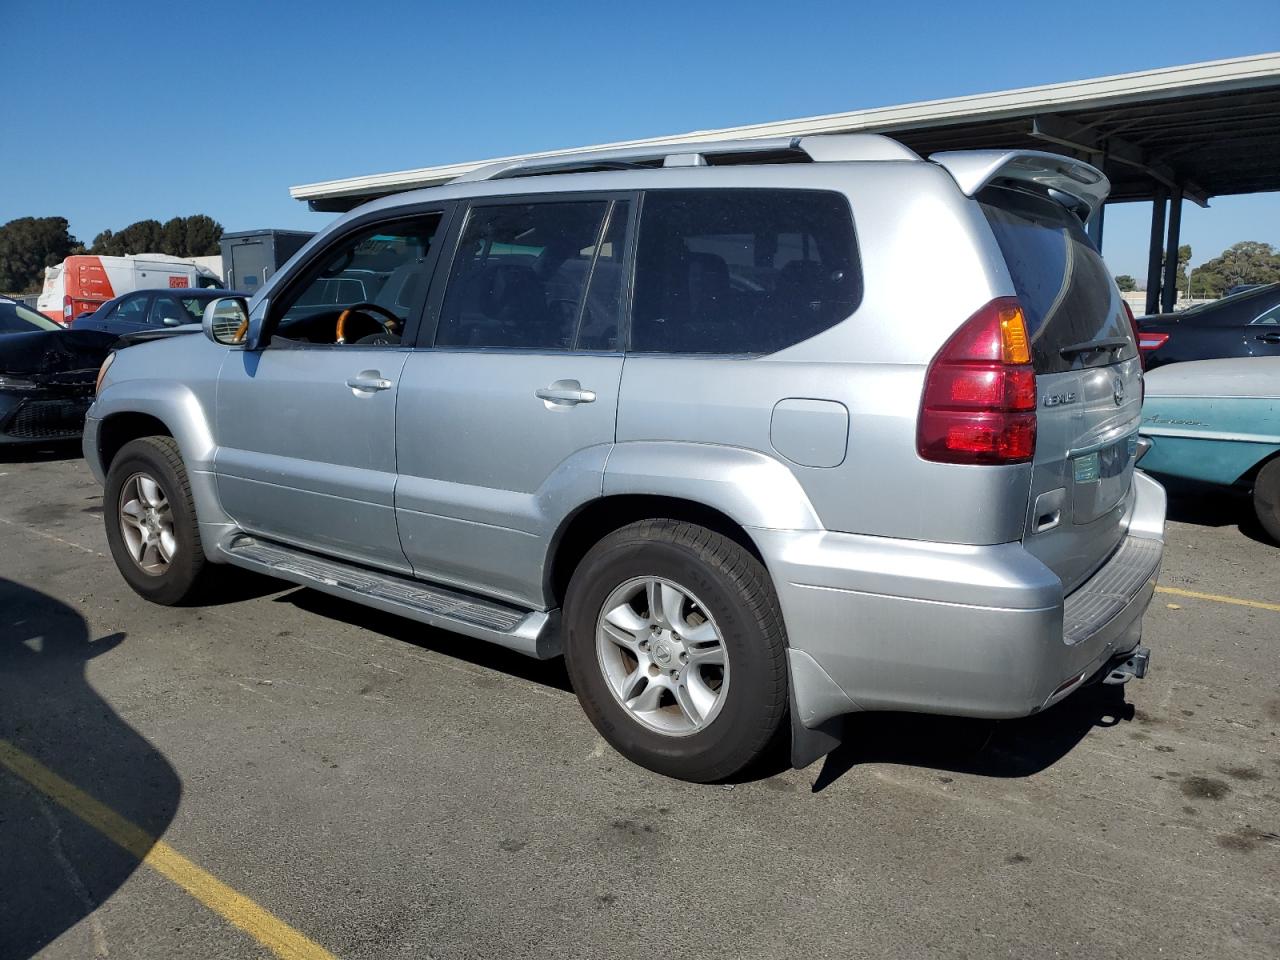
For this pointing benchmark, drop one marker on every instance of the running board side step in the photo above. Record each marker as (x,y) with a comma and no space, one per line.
(534,633)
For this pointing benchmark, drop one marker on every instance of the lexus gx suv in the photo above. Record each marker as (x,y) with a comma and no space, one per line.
(757,434)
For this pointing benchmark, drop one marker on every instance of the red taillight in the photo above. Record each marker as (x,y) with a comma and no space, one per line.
(1150,340)
(66,308)
(979,403)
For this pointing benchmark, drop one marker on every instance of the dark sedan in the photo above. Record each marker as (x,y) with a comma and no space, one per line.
(1244,325)
(148,310)
(47,375)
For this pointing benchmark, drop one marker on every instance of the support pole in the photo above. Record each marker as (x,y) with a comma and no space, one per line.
(1153,251)
(1169,290)
(1094,226)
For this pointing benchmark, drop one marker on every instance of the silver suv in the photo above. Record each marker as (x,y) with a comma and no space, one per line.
(758,436)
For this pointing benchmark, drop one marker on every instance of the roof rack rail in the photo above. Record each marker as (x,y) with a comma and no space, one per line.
(828,148)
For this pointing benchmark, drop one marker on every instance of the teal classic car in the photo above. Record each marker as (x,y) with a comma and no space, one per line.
(1218,421)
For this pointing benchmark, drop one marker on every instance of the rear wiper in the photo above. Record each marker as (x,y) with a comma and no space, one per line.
(1092,346)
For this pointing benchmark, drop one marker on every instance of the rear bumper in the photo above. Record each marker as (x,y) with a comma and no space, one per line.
(985,631)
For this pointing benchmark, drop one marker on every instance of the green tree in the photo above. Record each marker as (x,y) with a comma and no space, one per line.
(1246,262)
(27,246)
(194,236)
(202,234)
(1184,257)
(145,236)
(1126,283)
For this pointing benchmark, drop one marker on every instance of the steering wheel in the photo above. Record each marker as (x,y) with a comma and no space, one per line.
(389,324)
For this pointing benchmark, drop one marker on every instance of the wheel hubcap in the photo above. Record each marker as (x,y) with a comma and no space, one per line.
(662,656)
(146,523)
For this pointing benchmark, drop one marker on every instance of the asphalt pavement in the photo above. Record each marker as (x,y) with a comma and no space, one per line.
(385,790)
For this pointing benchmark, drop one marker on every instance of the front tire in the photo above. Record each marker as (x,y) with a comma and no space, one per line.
(151,521)
(676,649)
(1266,498)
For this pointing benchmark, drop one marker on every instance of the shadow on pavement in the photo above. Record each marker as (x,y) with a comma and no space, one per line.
(54,869)
(985,748)
(1207,505)
(40,452)
(549,673)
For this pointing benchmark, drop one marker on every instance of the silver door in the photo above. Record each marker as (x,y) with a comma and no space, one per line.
(504,427)
(306,449)
(306,424)
(494,450)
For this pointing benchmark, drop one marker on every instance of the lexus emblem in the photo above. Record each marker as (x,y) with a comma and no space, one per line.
(1117,391)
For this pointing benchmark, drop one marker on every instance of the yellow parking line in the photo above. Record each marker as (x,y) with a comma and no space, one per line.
(1216,598)
(268,929)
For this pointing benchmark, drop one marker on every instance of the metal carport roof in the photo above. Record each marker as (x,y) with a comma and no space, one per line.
(1193,131)
(1206,129)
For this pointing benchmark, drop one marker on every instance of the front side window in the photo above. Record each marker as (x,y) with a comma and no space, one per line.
(361,291)
(133,310)
(166,312)
(519,275)
(1271,317)
(741,271)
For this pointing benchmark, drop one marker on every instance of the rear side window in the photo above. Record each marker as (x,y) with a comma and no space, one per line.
(741,271)
(519,275)
(1066,291)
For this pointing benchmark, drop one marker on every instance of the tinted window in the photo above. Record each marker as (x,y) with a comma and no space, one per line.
(166,308)
(741,271)
(601,318)
(133,310)
(1065,289)
(383,268)
(519,274)
(1271,317)
(194,307)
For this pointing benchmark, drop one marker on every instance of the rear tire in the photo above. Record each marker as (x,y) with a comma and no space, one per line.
(151,521)
(1266,498)
(676,648)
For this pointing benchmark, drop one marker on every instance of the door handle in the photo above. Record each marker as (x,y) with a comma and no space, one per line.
(1270,337)
(368,381)
(566,392)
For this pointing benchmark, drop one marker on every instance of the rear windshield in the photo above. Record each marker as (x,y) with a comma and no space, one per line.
(1066,291)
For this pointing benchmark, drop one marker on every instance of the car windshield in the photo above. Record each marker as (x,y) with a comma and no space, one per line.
(18,318)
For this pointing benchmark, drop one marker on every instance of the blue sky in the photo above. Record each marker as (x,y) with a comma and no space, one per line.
(134,110)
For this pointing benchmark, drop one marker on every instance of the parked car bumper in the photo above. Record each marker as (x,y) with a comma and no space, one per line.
(40,416)
(984,631)
(89,445)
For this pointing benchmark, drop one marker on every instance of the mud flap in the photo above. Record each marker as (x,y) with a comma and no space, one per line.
(811,743)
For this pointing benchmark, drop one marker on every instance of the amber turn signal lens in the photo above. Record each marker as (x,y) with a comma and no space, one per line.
(1013,335)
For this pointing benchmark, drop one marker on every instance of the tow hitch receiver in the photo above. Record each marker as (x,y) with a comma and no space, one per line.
(1129,665)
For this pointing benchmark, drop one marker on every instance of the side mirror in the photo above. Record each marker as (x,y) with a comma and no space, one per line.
(226,320)
(171,322)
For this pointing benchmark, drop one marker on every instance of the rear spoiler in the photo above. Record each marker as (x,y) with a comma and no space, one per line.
(1073,183)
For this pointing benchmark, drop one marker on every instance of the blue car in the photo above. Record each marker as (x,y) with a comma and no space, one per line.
(143,311)
(1218,421)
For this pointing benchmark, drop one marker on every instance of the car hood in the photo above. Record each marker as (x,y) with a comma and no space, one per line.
(50,352)
(163,333)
